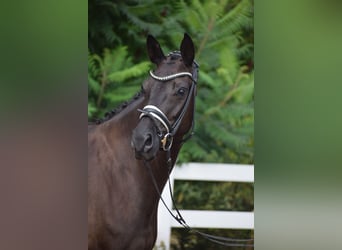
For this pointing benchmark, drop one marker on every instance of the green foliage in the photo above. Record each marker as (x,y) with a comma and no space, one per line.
(225,106)
(182,239)
(226,196)
(108,77)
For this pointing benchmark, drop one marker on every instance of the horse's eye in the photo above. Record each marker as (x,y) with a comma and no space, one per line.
(181,91)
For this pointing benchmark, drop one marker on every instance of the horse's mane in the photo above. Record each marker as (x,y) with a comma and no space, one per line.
(110,114)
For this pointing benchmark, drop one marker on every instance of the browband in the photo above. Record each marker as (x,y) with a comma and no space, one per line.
(167,78)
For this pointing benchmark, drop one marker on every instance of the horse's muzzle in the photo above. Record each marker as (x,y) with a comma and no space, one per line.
(145,141)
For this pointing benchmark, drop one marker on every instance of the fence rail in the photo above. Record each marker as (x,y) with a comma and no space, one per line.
(205,219)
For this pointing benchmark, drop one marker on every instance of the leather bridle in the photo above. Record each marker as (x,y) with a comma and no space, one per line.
(157,115)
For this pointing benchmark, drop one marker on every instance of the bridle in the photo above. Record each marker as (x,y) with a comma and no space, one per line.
(156,114)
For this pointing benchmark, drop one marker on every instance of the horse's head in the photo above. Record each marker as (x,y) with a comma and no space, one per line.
(169,93)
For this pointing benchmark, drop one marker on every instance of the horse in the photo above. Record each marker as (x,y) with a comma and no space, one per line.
(148,130)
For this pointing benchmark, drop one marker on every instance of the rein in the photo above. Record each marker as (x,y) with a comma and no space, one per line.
(179,218)
(156,114)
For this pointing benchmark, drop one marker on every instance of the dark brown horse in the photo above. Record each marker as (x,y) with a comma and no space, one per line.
(122,200)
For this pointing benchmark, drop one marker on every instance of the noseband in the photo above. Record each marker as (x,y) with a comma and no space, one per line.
(157,115)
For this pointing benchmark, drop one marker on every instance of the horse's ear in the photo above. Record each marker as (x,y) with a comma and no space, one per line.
(154,51)
(187,50)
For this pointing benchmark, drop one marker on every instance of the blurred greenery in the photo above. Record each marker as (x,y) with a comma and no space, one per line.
(222,31)
(298,124)
(42,54)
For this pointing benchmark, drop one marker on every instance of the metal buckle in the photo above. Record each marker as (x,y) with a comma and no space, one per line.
(167,142)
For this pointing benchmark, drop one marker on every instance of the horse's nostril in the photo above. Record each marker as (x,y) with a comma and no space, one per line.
(148,140)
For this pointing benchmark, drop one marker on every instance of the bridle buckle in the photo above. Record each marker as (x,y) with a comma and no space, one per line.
(167,142)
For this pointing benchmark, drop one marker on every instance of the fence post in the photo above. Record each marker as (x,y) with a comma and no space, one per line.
(164,218)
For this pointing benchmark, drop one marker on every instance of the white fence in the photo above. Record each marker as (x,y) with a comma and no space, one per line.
(205,219)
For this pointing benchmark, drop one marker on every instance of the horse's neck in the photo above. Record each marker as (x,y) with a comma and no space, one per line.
(122,126)
(160,166)
(118,131)
(126,120)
